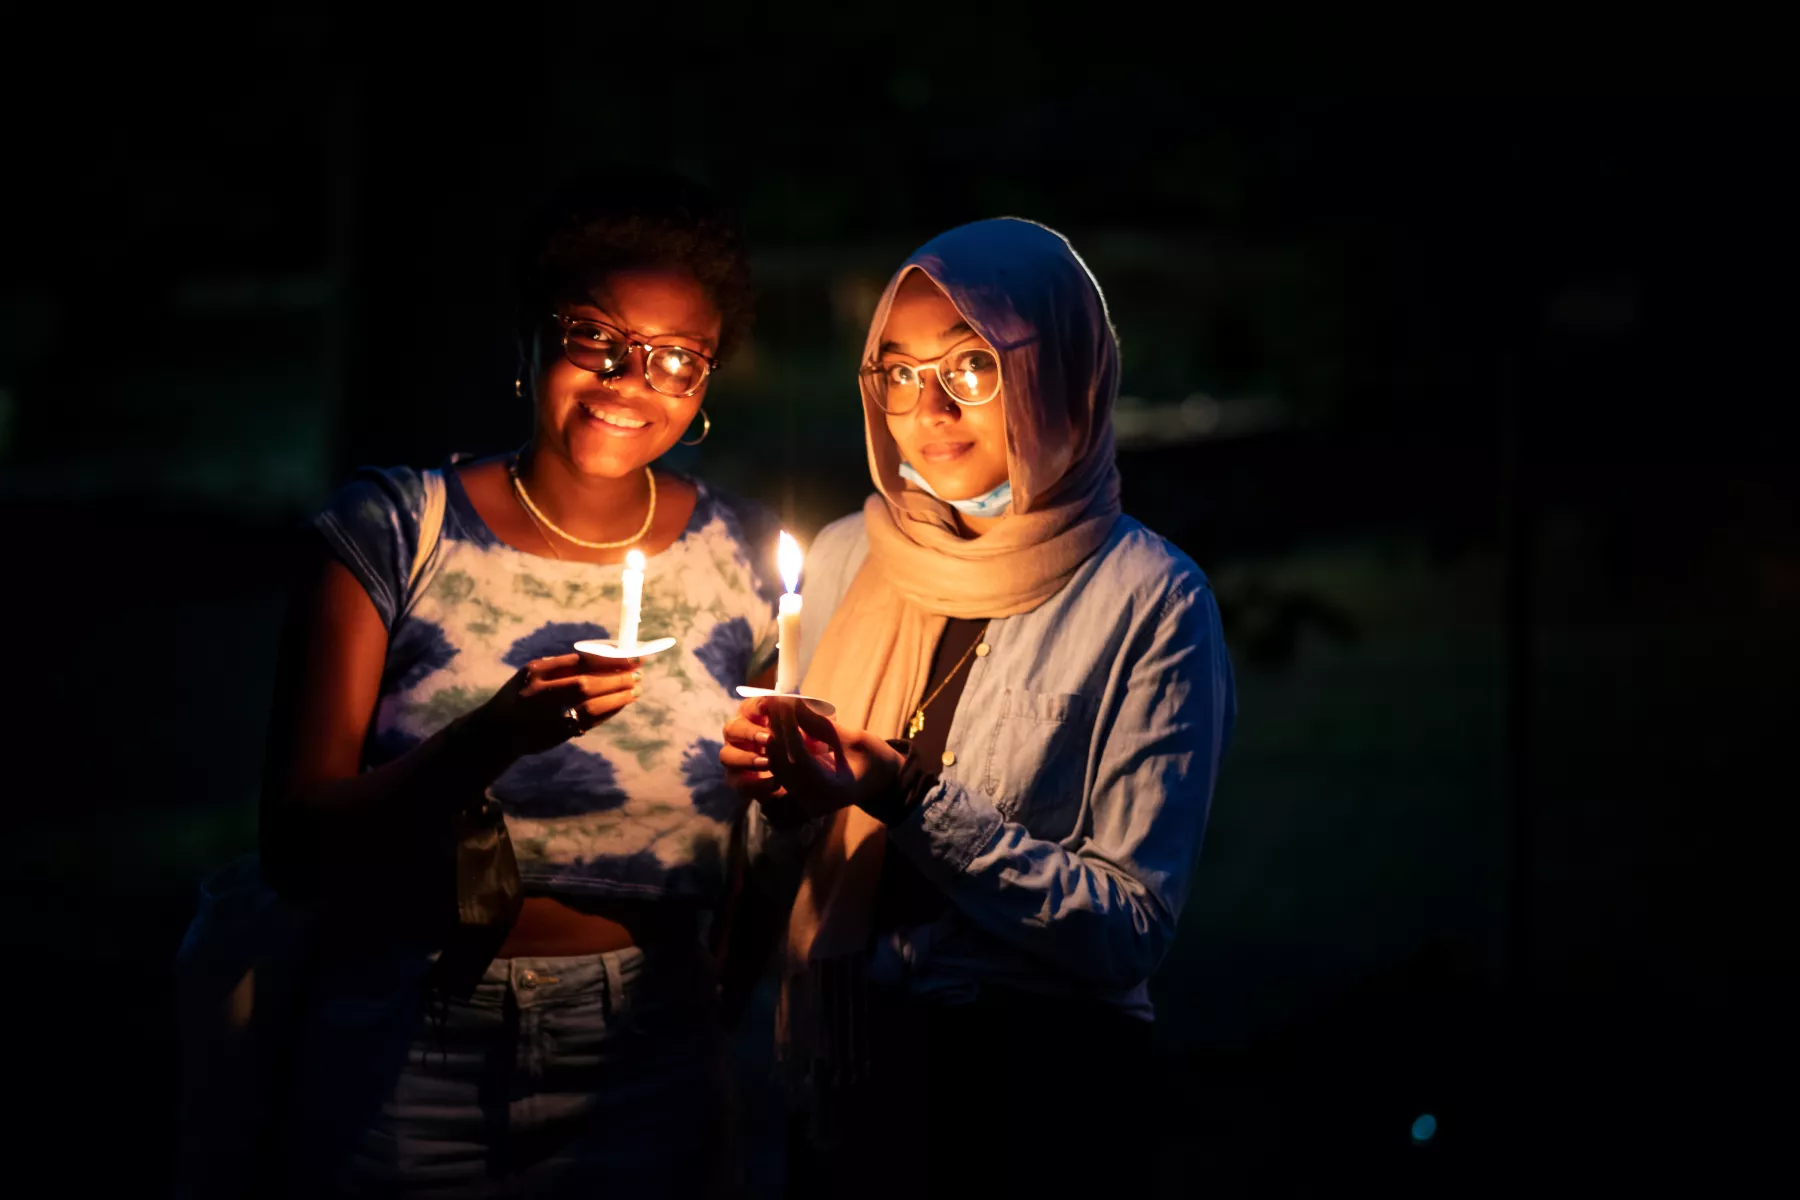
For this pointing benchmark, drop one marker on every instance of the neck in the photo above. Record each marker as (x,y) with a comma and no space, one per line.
(593,507)
(974,527)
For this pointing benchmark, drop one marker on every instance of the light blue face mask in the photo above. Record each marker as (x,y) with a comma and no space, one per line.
(993,504)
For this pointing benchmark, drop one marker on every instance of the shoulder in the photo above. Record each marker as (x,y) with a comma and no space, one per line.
(372,524)
(378,500)
(1138,563)
(836,553)
(843,536)
(750,521)
(745,530)
(1162,608)
(378,494)
(749,525)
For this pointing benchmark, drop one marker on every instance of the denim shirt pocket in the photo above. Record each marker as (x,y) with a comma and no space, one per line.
(1037,759)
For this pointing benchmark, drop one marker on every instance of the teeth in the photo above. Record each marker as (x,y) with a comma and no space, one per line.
(613,418)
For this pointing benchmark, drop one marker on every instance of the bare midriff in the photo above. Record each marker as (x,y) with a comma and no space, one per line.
(549,927)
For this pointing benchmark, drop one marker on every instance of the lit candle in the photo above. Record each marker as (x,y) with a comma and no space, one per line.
(787,663)
(632,582)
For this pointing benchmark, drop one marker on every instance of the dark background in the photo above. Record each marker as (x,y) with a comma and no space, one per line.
(1469,387)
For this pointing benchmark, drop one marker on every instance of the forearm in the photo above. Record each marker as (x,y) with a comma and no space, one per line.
(1090,917)
(1102,903)
(327,828)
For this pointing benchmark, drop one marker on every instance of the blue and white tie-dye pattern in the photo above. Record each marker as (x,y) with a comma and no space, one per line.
(638,805)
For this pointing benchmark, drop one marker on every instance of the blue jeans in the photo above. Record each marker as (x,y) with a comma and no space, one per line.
(556,1076)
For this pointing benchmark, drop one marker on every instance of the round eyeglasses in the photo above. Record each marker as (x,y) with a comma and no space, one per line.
(594,346)
(969,375)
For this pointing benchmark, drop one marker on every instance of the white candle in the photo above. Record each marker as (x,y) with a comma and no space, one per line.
(787,663)
(632,582)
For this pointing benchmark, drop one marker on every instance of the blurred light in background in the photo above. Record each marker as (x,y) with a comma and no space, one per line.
(1199,415)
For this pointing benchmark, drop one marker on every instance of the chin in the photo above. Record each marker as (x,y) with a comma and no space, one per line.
(611,466)
(607,457)
(959,485)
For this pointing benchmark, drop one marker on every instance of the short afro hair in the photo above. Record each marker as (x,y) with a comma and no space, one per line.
(622,217)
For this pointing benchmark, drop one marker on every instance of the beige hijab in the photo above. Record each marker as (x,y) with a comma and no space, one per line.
(1022,287)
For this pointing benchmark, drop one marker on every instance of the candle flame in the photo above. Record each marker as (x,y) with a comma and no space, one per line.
(789,560)
(634,560)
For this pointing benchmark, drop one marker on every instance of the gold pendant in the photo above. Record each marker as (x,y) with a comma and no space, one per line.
(914,726)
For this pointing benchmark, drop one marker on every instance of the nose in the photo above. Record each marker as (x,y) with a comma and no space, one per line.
(629,379)
(935,404)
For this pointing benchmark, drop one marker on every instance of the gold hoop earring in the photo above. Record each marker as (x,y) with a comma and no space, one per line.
(519,385)
(705,428)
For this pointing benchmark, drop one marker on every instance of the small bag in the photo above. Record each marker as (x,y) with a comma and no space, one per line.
(488,896)
(488,892)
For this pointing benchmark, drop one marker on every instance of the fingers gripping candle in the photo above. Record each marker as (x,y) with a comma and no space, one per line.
(632,584)
(787,664)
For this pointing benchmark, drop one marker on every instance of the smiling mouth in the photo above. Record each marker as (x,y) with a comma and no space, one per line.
(613,418)
(944,451)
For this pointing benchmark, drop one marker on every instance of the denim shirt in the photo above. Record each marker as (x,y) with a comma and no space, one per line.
(1086,744)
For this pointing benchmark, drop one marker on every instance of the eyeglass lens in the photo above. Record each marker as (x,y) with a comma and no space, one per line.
(971,376)
(671,370)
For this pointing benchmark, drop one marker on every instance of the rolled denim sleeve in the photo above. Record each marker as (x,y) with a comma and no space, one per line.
(1104,910)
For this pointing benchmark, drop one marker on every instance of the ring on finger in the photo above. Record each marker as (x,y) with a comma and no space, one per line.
(573,720)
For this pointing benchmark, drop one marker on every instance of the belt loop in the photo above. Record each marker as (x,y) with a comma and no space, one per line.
(616,1004)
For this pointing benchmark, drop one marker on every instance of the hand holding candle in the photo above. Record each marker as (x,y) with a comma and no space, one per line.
(787,664)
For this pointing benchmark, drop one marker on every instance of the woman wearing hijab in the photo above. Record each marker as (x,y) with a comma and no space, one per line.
(997,831)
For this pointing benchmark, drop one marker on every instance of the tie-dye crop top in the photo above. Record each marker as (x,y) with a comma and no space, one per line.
(637,806)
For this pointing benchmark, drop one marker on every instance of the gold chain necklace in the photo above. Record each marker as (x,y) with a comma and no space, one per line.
(525,499)
(916,726)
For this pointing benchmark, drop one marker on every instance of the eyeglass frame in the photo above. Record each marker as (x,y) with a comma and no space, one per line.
(936,367)
(567,322)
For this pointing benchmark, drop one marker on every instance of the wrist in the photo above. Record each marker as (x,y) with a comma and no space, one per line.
(475,749)
(889,758)
(884,798)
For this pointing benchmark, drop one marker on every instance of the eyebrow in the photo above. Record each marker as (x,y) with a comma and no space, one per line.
(958,330)
(607,317)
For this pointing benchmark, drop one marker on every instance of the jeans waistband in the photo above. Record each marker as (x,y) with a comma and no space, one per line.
(633,979)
